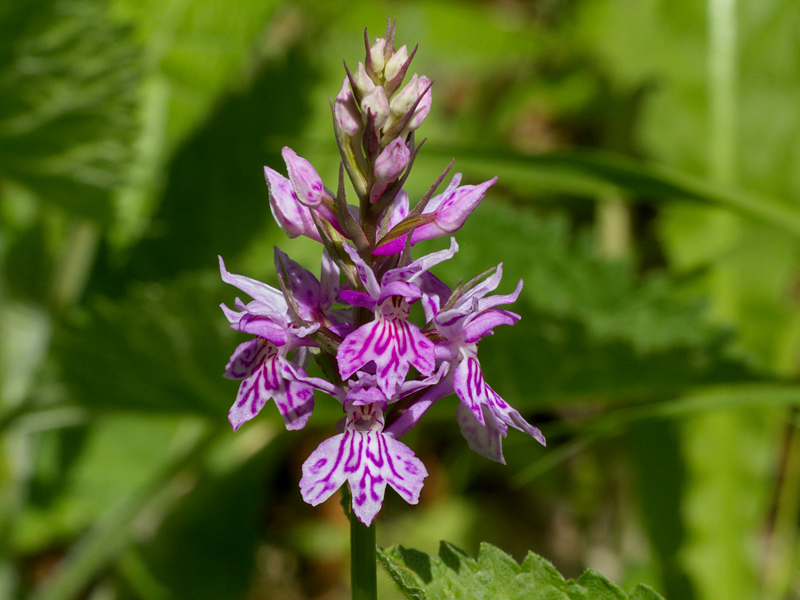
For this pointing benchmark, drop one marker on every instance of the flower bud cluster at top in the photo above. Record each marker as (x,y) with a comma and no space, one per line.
(385,370)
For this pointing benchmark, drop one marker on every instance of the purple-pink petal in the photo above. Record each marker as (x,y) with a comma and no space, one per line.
(263,327)
(292,217)
(367,461)
(329,281)
(492,301)
(393,344)
(267,295)
(270,376)
(392,160)
(307,184)
(360,299)
(486,440)
(482,324)
(476,395)
(346,112)
(399,209)
(470,387)
(304,286)
(408,420)
(364,272)
(417,268)
(454,209)
(233,316)
(404,289)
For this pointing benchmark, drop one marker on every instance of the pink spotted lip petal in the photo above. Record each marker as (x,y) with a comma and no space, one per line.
(367,461)
(244,359)
(267,375)
(393,345)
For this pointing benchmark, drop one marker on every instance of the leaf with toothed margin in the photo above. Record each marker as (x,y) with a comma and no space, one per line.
(495,574)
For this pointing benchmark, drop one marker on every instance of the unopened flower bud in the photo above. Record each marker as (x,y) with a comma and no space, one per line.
(392,161)
(345,111)
(306,183)
(424,106)
(405,98)
(362,81)
(376,54)
(395,63)
(292,217)
(375,101)
(454,206)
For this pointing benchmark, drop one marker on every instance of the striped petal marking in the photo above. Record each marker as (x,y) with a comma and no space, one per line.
(265,374)
(367,460)
(391,342)
(475,393)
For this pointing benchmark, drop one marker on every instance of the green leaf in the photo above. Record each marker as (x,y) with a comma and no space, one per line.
(161,348)
(643,592)
(225,511)
(196,48)
(68,77)
(495,574)
(595,173)
(215,195)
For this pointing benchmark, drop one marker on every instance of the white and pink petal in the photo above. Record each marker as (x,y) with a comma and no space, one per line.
(257,290)
(393,345)
(270,376)
(367,461)
(485,439)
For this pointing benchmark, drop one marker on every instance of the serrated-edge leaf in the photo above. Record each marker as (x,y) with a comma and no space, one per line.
(644,592)
(406,580)
(598,586)
(542,568)
(495,574)
(491,557)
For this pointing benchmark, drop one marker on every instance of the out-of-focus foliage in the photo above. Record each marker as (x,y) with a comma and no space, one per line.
(648,156)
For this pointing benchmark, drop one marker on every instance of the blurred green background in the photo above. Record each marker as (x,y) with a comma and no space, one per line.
(649,195)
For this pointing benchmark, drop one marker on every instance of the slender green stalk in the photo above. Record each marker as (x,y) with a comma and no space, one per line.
(363,554)
(723,75)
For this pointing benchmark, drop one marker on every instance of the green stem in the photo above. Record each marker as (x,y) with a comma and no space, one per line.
(363,555)
(723,75)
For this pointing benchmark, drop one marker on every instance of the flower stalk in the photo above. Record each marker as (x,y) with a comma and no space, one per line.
(363,555)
